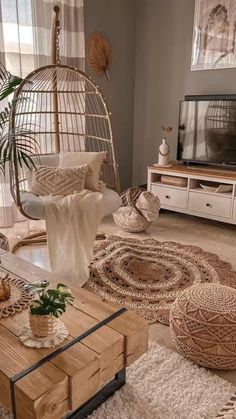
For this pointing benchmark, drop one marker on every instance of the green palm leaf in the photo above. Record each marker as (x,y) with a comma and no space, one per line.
(20,142)
(8,82)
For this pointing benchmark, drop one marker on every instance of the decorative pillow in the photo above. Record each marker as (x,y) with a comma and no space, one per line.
(58,181)
(51,160)
(93,159)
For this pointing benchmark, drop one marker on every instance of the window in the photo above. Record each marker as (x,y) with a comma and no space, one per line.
(17,36)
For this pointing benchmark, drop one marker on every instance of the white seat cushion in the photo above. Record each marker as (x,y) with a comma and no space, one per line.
(34,207)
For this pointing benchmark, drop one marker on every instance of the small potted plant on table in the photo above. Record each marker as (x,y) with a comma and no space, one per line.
(48,307)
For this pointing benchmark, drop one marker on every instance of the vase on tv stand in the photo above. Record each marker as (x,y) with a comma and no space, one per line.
(163,155)
(164,149)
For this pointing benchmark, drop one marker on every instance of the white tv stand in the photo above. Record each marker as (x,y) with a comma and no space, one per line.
(192,199)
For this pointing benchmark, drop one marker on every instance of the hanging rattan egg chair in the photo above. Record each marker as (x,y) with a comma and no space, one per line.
(66,111)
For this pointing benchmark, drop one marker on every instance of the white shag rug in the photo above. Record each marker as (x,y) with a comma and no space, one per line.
(165,385)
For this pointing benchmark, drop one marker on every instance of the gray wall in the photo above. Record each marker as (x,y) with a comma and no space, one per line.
(163,76)
(116,20)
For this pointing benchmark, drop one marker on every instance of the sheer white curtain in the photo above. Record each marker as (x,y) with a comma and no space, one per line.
(25,28)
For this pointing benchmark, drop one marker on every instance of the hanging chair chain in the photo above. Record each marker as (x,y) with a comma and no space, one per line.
(58,30)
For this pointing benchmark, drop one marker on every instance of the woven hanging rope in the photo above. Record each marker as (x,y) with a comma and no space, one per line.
(4,242)
(99,54)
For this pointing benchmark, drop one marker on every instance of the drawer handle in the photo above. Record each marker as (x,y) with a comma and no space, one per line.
(209,205)
(167,196)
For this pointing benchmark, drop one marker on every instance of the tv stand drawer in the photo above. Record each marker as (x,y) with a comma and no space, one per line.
(171,197)
(218,206)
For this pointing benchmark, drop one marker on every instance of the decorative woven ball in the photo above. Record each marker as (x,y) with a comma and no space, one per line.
(203,325)
(129,217)
(129,220)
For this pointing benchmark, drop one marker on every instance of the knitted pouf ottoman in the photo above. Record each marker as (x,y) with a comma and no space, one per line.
(203,325)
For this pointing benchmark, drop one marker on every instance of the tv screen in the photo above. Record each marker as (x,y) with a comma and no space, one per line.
(207,131)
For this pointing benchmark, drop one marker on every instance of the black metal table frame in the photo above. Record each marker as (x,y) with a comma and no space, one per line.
(95,401)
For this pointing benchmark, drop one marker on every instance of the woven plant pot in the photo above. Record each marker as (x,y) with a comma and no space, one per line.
(42,326)
(128,217)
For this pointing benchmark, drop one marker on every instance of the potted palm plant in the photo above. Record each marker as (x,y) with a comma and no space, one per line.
(48,305)
(25,144)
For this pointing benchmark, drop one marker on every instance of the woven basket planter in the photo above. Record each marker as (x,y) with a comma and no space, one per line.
(43,326)
(128,217)
(4,242)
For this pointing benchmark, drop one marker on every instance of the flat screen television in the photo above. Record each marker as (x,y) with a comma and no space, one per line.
(207,130)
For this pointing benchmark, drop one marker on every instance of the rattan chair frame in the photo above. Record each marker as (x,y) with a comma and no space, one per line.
(17,178)
(76,118)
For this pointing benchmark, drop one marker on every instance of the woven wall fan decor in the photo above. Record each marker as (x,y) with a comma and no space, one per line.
(99,54)
(147,275)
(20,298)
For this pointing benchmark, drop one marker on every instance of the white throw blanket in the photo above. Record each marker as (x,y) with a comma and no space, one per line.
(72,222)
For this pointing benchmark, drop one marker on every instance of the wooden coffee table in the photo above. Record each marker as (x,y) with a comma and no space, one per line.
(80,374)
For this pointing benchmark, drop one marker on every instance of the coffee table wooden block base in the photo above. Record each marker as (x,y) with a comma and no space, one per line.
(100,397)
(84,371)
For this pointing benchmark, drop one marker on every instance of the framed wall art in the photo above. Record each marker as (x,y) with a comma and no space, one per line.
(214,35)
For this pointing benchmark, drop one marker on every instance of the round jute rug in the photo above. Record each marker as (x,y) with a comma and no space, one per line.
(147,275)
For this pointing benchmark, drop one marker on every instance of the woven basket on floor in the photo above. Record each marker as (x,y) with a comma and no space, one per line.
(43,326)
(4,242)
(128,217)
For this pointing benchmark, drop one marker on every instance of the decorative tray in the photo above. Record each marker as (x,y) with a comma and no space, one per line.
(217,189)
(19,299)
